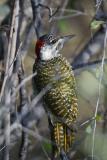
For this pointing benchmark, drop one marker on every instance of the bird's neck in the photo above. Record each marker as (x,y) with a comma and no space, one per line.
(49,60)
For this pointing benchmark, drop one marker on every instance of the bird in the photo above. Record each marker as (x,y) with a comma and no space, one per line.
(55,71)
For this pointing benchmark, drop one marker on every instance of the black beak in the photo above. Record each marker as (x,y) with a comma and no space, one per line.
(66,38)
(62,40)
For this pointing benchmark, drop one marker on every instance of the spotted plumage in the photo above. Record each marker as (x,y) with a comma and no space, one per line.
(61,99)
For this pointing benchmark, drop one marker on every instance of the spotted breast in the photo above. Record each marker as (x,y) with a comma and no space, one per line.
(61,98)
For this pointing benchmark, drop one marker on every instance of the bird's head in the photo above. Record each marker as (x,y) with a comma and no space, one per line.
(48,47)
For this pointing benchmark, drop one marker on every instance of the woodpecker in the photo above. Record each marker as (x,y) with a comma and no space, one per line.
(61,99)
(52,68)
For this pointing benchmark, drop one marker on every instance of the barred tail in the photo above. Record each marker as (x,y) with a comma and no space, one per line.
(62,137)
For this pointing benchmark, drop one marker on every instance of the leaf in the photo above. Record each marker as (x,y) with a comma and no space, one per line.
(98,117)
(96,24)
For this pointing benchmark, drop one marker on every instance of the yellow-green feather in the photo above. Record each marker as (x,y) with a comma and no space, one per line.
(62,138)
(61,99)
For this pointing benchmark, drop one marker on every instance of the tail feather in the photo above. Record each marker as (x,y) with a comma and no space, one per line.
(63,138)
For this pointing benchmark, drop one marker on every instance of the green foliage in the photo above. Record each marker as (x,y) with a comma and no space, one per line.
(47,146)
(98,117)
(96,24)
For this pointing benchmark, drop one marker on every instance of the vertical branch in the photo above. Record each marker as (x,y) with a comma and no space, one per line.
(24,146)
(6,135)
(37,20)
(7,83)
(21,16)
(23,104)
(23,92)
(13,37)
(3,52)
(12,45)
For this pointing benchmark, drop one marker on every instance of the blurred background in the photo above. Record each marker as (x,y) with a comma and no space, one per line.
(73,17)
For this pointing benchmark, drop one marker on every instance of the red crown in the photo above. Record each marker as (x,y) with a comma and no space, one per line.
(38,46)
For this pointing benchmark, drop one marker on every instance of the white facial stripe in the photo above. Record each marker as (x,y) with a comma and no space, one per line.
(50,51)
(45,53)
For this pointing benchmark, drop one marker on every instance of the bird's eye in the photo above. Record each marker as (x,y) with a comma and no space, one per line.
(51,39)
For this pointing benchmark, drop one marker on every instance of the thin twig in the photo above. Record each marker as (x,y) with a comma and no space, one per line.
(23,47)
(6,91)
(62,6)
(37,20)
(51,15)
(88,64)
(93,46)
(99,93)
(23,82)
(23,103)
